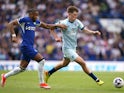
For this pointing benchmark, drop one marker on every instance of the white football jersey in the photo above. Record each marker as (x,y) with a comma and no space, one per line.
(69,36)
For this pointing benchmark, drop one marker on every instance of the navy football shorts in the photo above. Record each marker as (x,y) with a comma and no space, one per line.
(28,53)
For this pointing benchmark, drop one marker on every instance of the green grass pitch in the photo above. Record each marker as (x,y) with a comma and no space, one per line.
(62,82)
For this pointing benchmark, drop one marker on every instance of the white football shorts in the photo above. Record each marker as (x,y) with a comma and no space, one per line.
(70,53)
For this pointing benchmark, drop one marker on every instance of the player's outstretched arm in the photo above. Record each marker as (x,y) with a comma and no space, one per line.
(52,26)
(11,28)
(57,39)
(88,31)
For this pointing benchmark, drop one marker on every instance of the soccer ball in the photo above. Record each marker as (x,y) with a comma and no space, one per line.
(118,82)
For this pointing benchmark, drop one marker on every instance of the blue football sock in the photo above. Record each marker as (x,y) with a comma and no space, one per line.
(52,71)
(93,76)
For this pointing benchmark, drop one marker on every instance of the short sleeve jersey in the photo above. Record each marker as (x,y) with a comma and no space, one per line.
(28,27)
(69,36)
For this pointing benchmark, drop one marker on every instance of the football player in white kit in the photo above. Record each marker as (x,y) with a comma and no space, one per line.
(69,40)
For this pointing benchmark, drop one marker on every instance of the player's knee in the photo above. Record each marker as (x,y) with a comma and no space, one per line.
(42,61)
(64,65)
(22,69)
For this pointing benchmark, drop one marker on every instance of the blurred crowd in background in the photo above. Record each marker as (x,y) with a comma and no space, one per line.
(92,13)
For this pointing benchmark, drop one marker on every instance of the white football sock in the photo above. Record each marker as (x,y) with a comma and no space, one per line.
(41,71)
(14,72)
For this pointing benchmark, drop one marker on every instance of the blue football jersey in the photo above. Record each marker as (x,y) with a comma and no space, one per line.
(28,27)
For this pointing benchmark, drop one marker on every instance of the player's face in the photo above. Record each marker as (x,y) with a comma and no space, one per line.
(35,16)
(73,16)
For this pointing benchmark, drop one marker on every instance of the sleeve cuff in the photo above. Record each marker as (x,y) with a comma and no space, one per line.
(82,28)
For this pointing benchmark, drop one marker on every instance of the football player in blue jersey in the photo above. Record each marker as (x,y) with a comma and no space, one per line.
(28,25)
(69,43)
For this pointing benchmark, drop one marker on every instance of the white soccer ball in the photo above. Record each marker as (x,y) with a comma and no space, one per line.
(118,82)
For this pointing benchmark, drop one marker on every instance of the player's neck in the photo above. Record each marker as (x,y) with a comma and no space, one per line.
(71,21)
(32,18)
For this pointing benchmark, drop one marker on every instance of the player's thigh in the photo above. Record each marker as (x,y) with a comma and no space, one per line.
(38,57)
(80,60)
(70,53)
(28,53)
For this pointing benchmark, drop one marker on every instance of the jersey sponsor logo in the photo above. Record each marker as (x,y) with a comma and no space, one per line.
(28,22)
(30,28)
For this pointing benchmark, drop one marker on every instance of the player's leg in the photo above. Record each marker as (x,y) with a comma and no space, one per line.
(60,65)
(15,71)
(39,58)
(80,61)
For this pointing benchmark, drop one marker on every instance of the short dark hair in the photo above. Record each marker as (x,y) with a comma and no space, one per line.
(72,9)
(32,10)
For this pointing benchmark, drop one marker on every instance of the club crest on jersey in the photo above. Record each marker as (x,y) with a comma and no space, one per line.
(75,24)
(73,29)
